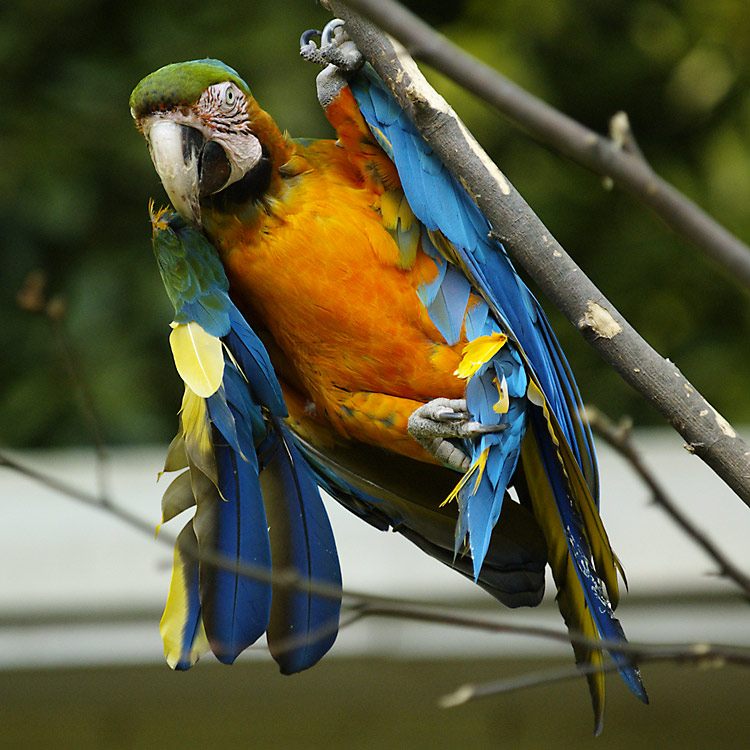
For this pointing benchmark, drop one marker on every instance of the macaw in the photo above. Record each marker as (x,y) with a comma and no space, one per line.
(423,387)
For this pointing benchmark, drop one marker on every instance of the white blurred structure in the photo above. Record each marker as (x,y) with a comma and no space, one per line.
(77,586)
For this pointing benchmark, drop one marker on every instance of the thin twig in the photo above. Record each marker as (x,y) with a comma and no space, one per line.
(619,438)
(529,241)
(32,297)
(625,167)
(699,654)
(457,618)
(99,502)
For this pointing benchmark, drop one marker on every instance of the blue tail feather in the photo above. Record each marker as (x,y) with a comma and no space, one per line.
(303,624)
(607,624)
(236,606)
(253,359)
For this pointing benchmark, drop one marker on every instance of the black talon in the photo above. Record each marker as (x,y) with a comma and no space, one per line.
(308,36)
(488,429)
(330,51)
(455,416)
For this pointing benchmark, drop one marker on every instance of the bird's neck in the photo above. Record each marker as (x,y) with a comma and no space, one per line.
(257,192)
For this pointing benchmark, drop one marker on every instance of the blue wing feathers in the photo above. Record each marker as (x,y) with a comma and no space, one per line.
(385,108)
(490,267)
(449,305)
(223,419)
(476,317)
(441,204)
(252,357)
(215,322)
(428,291)
(482,502)
(252,426)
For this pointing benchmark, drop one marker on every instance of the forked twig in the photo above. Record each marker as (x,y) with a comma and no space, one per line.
(618,436)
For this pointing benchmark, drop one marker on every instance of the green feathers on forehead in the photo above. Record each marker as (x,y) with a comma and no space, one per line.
(181,84)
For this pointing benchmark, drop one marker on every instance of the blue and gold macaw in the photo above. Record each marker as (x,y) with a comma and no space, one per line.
(422,385)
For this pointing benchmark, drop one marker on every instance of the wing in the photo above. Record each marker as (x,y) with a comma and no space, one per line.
(391,491)
(516,373)
(241,469)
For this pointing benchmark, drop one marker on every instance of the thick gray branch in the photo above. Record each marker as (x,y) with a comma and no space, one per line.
(625,168)
(526,238)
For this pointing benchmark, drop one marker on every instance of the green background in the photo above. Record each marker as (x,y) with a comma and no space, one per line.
(75,179)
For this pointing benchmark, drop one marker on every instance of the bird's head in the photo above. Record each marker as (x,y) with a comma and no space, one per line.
(205,133)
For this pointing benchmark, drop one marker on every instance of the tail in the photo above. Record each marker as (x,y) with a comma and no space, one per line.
(579,555)
(304,620)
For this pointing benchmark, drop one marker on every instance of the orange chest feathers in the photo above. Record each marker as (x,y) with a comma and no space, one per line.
(322,275)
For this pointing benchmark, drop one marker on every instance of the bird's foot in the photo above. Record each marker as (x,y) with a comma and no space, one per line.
(442,420)
(309,50)
(335,47)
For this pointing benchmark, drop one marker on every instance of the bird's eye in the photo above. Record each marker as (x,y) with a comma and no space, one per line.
(229,96)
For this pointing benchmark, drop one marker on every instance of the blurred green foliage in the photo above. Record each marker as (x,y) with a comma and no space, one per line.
(75,178)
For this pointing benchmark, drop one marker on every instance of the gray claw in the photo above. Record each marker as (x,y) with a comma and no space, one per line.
(446,413)
(335,47)
(309,50)
(441,420)
(307,37)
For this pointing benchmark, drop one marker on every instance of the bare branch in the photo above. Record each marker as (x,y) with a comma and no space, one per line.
(625,167)
(638,651)
(702,655)
(529,241)
(32,297)
(99,502)
(618,437)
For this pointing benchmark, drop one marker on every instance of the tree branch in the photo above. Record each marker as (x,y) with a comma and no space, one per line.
(32,297)
(702,655)
(618,436)
(625,167)
(526,238)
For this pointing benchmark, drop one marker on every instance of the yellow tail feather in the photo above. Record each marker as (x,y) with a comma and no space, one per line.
(570,596)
